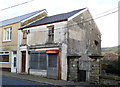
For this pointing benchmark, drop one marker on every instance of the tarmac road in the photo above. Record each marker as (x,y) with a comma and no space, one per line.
(15,82)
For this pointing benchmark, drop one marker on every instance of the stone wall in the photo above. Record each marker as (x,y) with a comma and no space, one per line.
(84,39)
(73,69)
(95,71)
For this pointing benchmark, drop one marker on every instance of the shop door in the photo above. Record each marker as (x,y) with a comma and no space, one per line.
(23,61)
(52,70)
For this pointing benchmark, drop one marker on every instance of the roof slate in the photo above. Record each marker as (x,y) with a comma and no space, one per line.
(54,18)
(19,18)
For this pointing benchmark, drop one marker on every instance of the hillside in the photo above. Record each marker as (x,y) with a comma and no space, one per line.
(110,49)
(111,53)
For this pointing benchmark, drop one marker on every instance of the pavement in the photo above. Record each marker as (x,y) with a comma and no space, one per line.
(43,80)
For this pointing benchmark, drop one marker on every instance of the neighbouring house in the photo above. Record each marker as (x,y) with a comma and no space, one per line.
(65,46)
(9,38)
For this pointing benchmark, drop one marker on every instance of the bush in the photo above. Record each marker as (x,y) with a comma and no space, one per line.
(113,67)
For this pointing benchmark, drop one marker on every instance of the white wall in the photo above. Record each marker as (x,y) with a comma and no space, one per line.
(39,34)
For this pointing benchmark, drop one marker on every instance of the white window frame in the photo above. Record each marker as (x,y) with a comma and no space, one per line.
(5,53)
(7,34)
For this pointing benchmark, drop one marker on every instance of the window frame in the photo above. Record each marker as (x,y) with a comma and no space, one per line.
(5,53)
(37,59)
(7,34)
(51,32)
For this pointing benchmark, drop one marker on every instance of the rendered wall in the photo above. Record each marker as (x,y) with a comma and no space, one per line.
(84,39)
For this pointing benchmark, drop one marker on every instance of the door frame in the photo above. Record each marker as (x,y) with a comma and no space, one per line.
(13,61)
(58,52)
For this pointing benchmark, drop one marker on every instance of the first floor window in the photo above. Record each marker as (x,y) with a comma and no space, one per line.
(50,33)
(8,34)
(4,56)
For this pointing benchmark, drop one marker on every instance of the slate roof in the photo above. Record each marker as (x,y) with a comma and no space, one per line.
(54,18)
(19,18)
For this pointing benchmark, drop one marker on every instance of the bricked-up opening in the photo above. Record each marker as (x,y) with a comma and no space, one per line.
(24,37)
(73,68)
(95,68)
(50,33)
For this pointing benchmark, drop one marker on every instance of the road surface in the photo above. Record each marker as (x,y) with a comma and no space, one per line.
(15,82)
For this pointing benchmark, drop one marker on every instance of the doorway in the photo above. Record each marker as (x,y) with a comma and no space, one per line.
(52,71)
(14,58)
(23,61)
(82,75)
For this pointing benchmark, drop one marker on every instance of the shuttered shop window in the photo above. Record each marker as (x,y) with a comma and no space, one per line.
(52,60)
(38,60)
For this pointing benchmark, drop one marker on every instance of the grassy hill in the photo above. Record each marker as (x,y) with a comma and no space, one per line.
(110,49)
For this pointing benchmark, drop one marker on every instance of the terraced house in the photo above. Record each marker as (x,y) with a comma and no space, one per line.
(65,46)
(9,38)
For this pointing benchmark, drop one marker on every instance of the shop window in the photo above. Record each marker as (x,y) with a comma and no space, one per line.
(38,60)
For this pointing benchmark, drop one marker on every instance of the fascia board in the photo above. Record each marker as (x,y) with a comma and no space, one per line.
(32,22)
(34,16)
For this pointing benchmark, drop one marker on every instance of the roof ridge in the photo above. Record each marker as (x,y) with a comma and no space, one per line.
(22,15)
(67,12)
(54,18)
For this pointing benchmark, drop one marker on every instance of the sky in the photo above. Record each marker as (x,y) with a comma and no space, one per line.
(108,25)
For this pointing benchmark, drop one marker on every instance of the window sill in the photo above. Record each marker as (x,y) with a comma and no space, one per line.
(4,62)
(7,40)
(38,70)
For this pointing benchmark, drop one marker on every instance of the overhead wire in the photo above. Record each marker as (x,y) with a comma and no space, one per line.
(85,20)
(103,14)
(16,5)
(79,22)
(106,11)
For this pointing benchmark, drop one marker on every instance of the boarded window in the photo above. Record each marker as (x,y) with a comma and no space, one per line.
(38,60)
(51,33)
(25,35)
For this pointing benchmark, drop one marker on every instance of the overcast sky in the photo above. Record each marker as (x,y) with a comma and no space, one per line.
(108,25)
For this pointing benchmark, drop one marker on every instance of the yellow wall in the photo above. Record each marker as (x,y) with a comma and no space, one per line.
(12,45)
(0,38)
(9,45)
